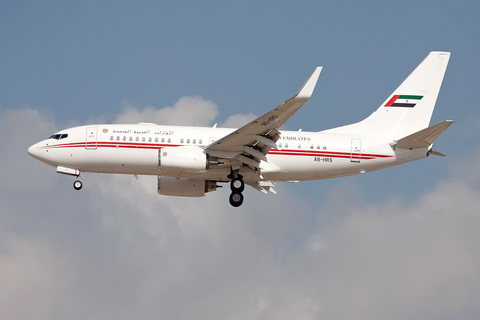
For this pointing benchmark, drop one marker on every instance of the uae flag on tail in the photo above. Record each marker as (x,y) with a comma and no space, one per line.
(403,101)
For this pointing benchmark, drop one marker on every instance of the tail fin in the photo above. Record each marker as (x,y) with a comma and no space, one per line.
(409,108)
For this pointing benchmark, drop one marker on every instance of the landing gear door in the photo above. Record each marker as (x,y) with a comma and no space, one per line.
(356,153)
(91,141)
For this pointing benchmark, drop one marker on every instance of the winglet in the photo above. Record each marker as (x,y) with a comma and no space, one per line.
(307,89)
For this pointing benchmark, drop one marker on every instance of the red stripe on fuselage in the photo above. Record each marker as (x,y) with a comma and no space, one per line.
(283,152)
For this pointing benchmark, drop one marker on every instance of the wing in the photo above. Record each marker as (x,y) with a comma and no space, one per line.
(250,143)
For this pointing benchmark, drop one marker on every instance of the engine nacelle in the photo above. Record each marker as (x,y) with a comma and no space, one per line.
(170,186)
(182,159)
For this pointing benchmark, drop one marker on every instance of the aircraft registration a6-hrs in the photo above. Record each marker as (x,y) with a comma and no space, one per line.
(191,161)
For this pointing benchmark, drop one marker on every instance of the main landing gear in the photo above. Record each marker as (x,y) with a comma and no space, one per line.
(237,186)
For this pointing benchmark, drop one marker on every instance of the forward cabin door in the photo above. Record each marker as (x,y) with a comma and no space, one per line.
(91,140)
(356,151)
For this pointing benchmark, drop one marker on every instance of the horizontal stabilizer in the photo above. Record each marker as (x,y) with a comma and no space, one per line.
(423,138)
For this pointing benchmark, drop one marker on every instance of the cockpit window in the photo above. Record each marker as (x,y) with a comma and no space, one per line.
(58,136)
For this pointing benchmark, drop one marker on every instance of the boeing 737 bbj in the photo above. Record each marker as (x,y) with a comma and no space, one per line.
(191,161)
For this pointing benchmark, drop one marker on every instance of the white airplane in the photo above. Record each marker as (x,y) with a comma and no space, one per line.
(191,161)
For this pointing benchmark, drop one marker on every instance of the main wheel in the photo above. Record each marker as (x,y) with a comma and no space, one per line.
(237,185)
(236,199)
(77,185)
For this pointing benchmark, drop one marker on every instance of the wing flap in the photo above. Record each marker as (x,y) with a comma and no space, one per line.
(263,186)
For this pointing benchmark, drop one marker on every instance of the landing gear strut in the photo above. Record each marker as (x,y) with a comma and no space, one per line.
(237,186)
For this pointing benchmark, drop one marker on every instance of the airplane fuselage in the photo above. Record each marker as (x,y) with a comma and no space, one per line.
(135,149)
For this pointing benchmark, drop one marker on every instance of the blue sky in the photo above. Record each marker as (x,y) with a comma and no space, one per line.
(322,249)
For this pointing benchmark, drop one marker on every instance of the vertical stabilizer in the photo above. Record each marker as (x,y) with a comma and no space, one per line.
(409,108)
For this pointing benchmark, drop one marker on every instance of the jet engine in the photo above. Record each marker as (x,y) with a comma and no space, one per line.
(182,159)
(170,186)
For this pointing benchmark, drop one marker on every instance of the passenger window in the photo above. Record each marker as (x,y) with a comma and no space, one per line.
(150,139)
(200,141)
(118,138)
(163,139)
(311,146)
(169,140)
(318,147)
(124,138)
(299,146)
(111,137)
(194,141)
(156,139)
(130,138)
(181,140)
(324,147)
(143,139)
(137,139)
(286,145)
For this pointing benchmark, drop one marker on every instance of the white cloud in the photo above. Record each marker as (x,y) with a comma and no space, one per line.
(27,275)
(187,111)
(117,250)
(404,260)
(20,129)
(238,120)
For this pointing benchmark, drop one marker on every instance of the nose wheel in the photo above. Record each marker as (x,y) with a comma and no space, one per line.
(77,185)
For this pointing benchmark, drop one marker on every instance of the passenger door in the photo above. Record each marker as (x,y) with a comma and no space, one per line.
(91,140)
(356,151)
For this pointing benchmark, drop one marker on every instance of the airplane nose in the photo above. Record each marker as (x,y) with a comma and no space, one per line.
(34,151)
